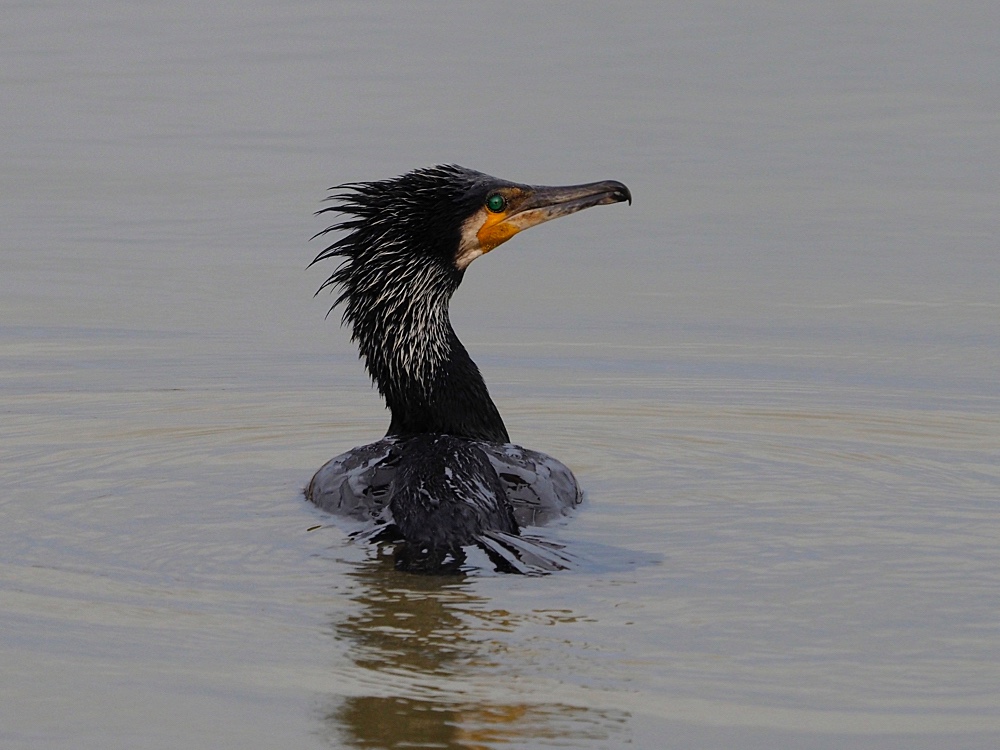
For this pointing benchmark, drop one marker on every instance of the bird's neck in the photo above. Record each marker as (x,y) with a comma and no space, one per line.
(428,380)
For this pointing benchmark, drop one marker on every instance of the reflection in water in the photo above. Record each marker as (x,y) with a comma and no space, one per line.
(400,722)
(420,642)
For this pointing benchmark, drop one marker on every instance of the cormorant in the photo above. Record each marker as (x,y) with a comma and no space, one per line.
(445,476)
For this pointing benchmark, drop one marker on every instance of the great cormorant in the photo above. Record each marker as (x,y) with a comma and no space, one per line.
(445,476)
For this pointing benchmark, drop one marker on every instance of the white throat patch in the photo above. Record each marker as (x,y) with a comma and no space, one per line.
(469,247)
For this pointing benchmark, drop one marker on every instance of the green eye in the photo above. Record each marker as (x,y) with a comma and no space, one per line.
(496,203)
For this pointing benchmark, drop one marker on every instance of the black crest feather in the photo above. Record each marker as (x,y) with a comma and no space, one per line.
(395,281)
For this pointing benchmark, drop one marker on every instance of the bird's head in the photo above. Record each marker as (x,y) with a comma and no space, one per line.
(448,215)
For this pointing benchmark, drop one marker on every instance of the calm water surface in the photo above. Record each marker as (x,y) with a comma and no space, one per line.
(775,375)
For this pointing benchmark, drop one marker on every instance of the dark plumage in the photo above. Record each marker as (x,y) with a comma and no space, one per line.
(396,280)
(446,496)
(445,476)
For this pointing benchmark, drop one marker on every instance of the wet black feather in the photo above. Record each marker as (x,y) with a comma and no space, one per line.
(395,281)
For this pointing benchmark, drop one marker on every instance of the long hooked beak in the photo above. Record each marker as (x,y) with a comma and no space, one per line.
(544,203)
(528,205)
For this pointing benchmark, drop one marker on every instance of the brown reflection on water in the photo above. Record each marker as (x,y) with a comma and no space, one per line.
(437,679)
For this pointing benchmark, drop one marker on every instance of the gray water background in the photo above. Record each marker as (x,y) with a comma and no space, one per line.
(775,374)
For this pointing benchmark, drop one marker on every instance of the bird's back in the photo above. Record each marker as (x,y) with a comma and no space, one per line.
(436,495)
(358,484)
